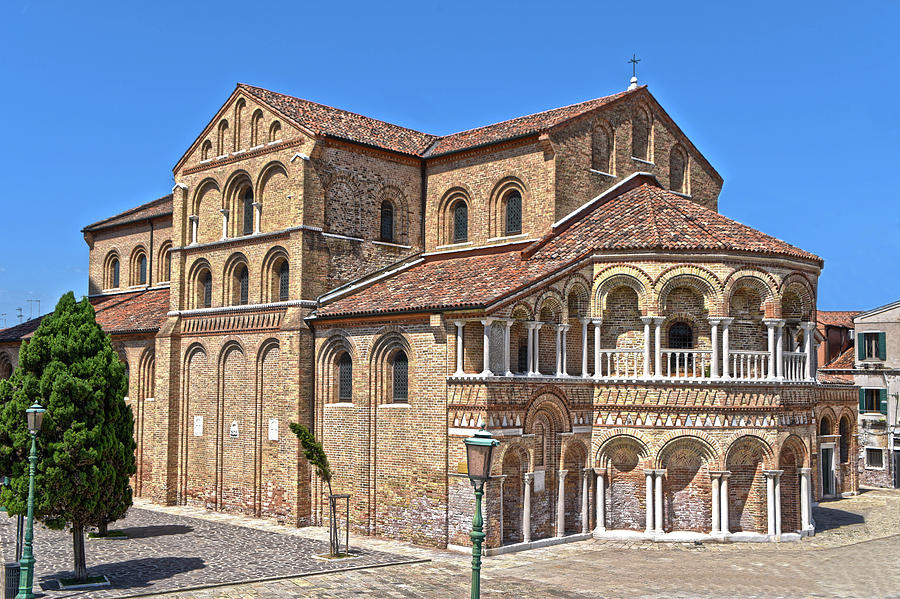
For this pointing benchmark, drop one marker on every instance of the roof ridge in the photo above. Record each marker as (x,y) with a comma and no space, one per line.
(130,211)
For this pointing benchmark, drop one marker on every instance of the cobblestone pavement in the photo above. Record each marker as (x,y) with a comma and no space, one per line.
(852,556)
(167,551)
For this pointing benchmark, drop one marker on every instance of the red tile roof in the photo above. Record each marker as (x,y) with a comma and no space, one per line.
(642,216)
(20,331)
(135,312)
(334,122)
(156,208)
(837,318)
(843,361)
(835,379)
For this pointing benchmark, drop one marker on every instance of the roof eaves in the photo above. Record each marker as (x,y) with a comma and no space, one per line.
(101,224)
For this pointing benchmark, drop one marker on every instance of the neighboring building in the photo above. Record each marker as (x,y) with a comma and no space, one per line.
(835,329)
(564,278)
(877,374)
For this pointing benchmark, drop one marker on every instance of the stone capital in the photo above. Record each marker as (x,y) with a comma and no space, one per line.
(257,204)
(806,326)
(193,218)
(647,319)
(562,474)
(715,320)
(224,211)
(805,470)
(660,472)
(725,474)
(649,471)
(596,321)
(659,319)
(773,322)
(529,478)
(487,321)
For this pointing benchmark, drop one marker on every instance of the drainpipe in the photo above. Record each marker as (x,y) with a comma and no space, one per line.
(424,190)
(150,256)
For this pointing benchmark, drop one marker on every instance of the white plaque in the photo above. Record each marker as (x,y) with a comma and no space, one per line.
(233,431)
(198,426)
(539,480)
(273,429)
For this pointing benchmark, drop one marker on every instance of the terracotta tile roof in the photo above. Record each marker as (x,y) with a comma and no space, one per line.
(20,331)
(328,121)
(516,127)
(334,122)
(643,217)
(845,361)
(837,318)
(139,311)
(156,208)
(835,379)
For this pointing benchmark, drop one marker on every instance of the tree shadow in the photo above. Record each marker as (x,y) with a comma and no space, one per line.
(830,518)
(129,574)
(145,532)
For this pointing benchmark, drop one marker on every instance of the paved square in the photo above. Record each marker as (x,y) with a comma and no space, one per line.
(165,552)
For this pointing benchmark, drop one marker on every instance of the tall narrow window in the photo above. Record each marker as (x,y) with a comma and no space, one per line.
(676,171)
(514,213)
(167,265)
(255,125)
(206,289)
(248,211)
(206,150)
(681,336)
(387,221)
(460,222)
(401,378)
(284,277)
(600,150)
(142,270)
(243,284)
(640,135)
(275,131)
(345,378)
(114,274)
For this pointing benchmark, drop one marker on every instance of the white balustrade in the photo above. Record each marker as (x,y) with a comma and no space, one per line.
(752,365)
(686,363)
(621,362)
(794,365)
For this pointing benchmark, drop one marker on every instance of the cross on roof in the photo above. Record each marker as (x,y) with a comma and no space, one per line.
(634,60)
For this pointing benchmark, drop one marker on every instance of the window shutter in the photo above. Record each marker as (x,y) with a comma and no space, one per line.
(861,346)
(882,347)
(882,401)
(862,401)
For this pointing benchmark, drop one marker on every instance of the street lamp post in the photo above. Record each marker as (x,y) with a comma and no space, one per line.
(479,451)
(35,416)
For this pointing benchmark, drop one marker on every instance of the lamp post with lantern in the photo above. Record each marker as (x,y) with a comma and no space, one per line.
(35,417)
(479,451)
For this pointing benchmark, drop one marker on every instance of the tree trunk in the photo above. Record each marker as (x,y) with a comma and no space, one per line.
(78,551)
(103,529)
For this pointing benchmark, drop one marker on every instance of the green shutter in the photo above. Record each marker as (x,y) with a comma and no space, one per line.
(882,401)
(882,347)
(861,346)
(862,401)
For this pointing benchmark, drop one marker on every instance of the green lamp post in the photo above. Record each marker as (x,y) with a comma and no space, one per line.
(479,451)
(35,416)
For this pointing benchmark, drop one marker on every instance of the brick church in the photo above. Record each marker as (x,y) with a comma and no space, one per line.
(563,278)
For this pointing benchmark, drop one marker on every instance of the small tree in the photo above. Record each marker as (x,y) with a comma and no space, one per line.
(315,455)
(86,444)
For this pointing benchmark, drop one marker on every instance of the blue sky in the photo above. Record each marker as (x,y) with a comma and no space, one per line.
(793,103)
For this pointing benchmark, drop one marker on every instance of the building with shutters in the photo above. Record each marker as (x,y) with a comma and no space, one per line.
(564,279)
(877,374)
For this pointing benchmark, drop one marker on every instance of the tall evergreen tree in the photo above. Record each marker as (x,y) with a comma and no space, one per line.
(86,444)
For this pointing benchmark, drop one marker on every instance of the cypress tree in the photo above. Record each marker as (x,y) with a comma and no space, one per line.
(86,444)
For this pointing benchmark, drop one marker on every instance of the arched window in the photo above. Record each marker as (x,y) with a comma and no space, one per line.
(400,379)
(640,135)
(284,277)
(825,426)
(221,142)
(513,213)
(206,150)
(114,273)
(844,430)
(681,336)
(142,270)
(387,221)
(247,205)
(167,265)
(600,150)
(345,378)
(255,126)
(204,292)
(274,131)
(676,170)
(460,222)
(242,285)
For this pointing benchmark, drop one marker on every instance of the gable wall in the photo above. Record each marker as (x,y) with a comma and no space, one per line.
(124,240)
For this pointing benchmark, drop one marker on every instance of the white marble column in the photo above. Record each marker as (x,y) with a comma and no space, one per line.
(600,502)
(716,519)
(584,345)
(257,217)
(648,494)
(486,323)
(536,353)
(507,335)
(598,371)
(561,505)
(778,474)
(770,501)
(585,500)
(647,320)
(224,212)
(559,356)
(726,357)
(714,340)
(459,347)
(194,222)
(658,501)
(657,369)
(526,508)
(529,369)
(779,350)
(809,346)
(771,323)
(565,352)
(723,496)
(805,512)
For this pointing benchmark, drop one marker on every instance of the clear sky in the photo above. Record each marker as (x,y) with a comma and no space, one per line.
(793,102)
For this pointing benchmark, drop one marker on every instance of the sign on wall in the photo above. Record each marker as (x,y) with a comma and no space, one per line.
(198,426)
(539,476)
(233,431)
(273,429)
